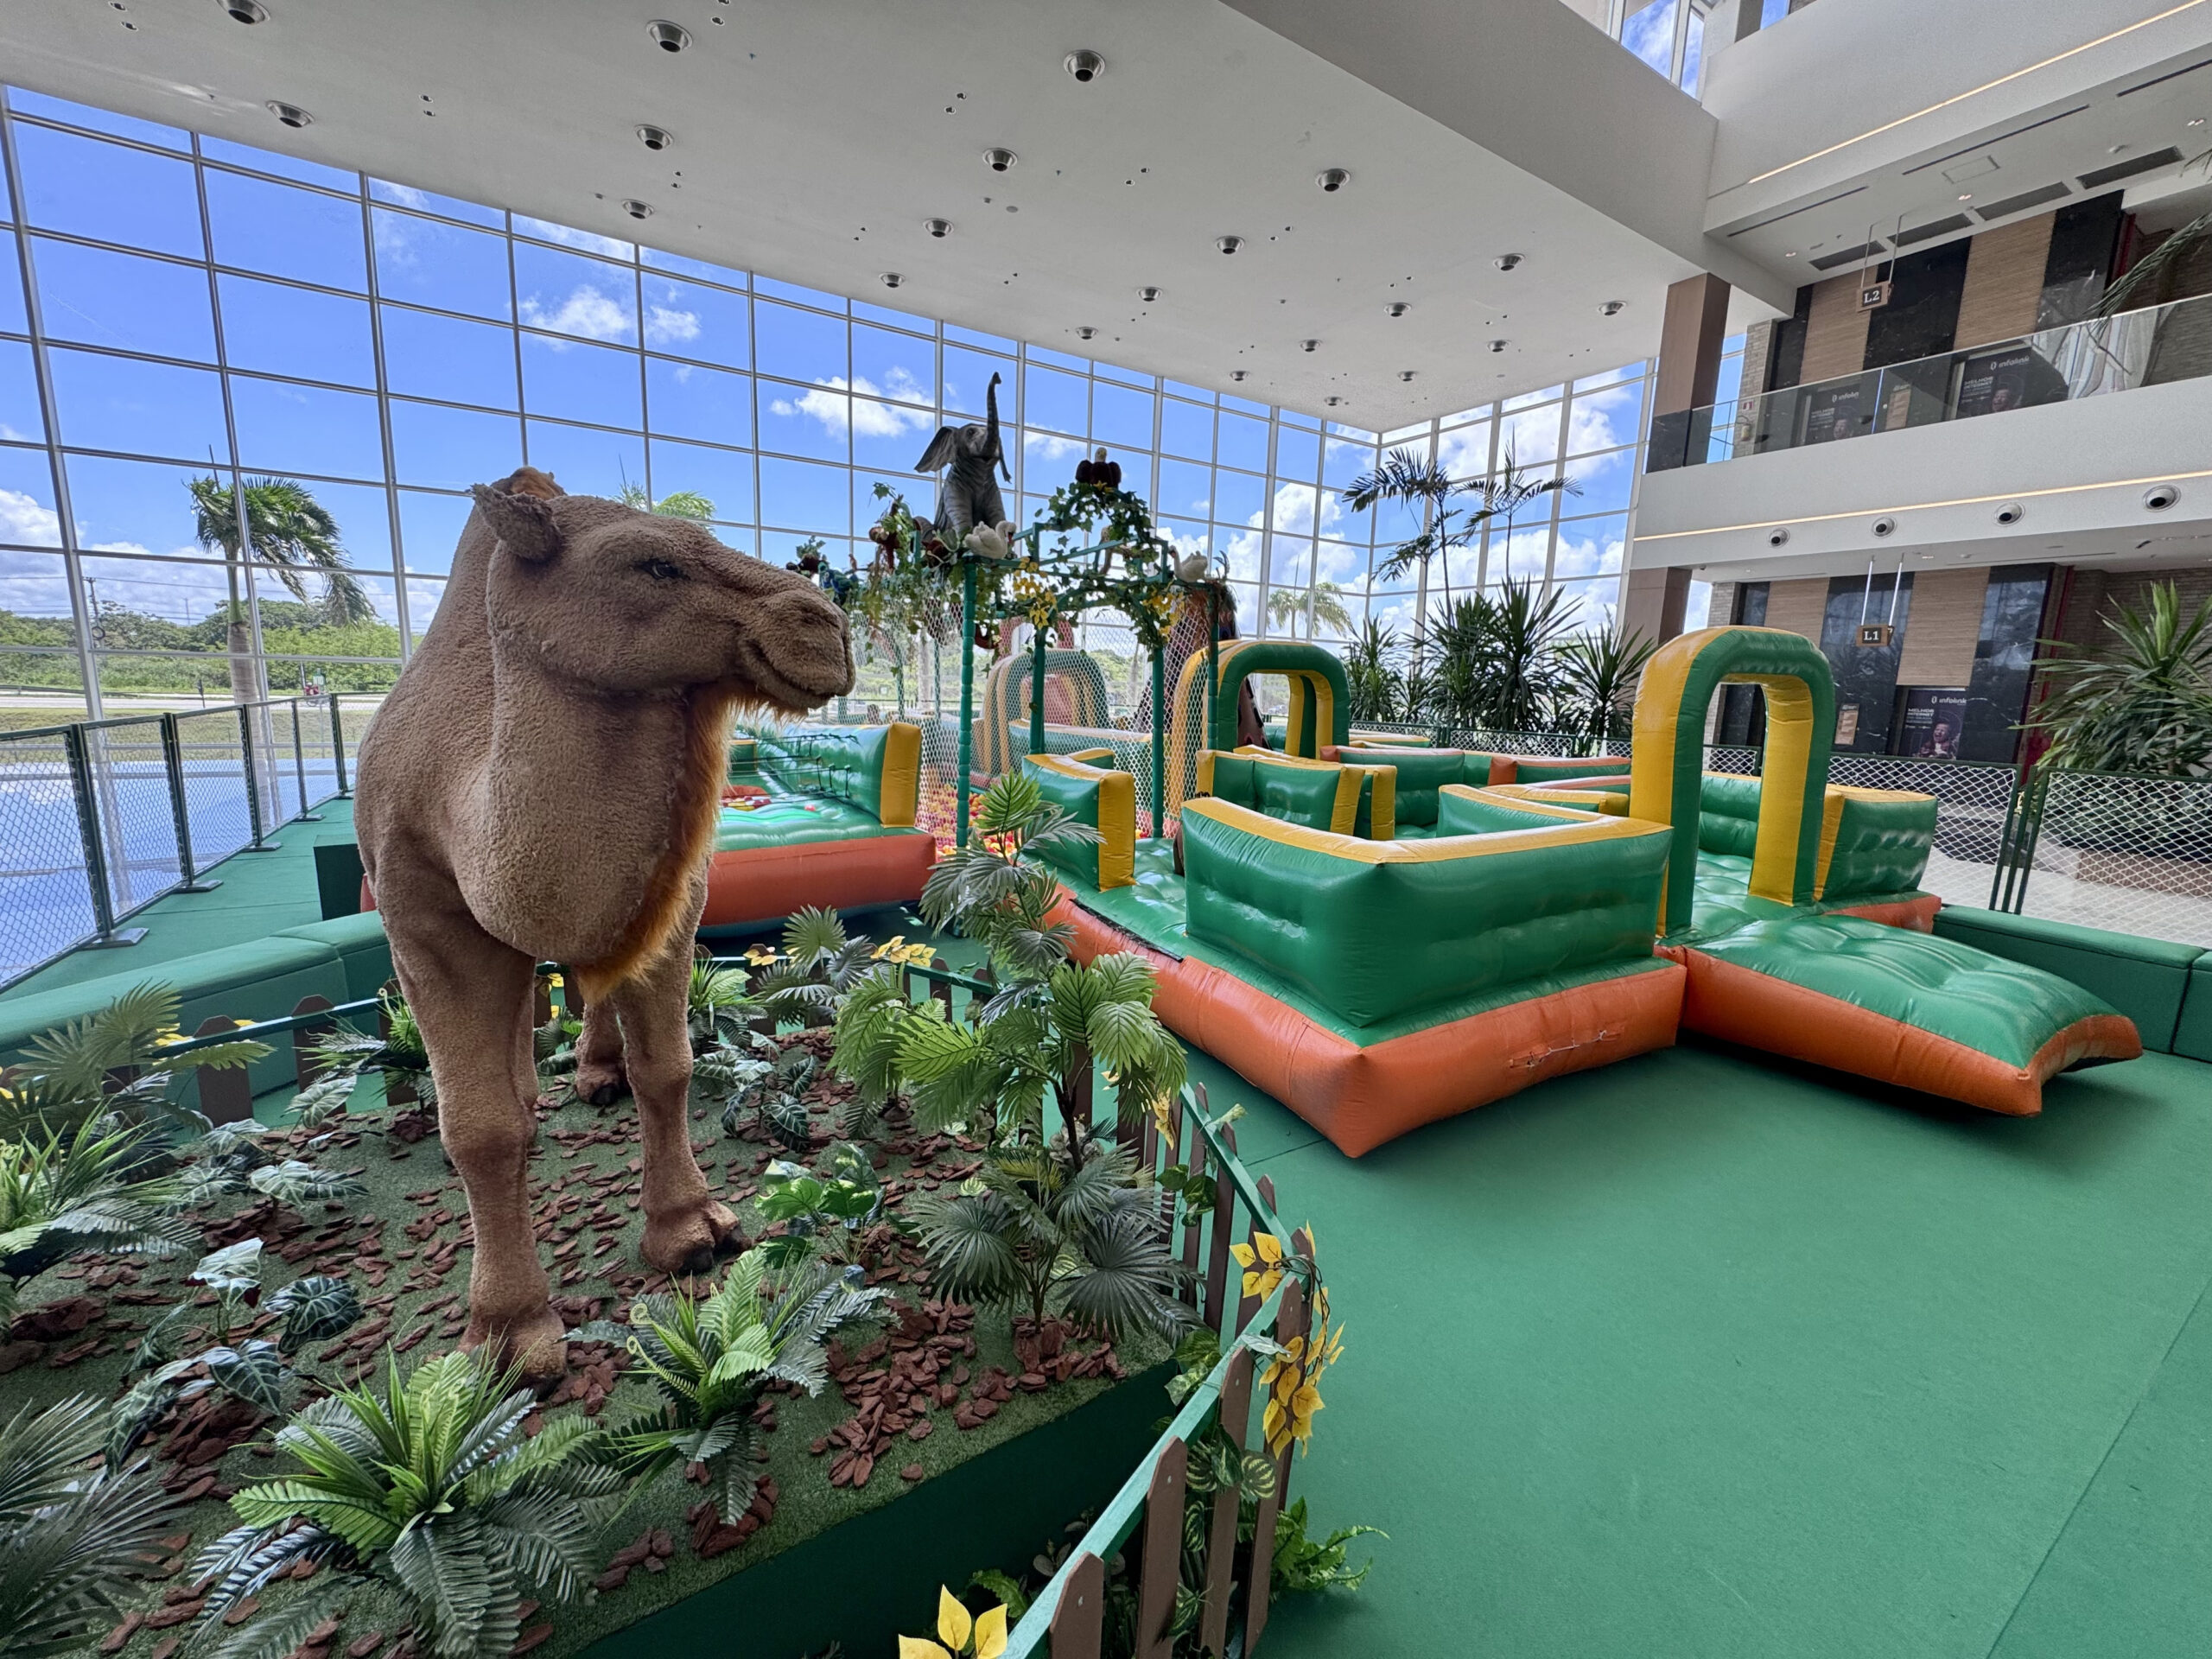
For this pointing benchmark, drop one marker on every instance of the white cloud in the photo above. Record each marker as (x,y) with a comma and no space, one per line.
(666,326)
(1465,450)
(1590,421)
(545,230)
(9,433)
(586,312)
(828,402)
(1590,557)
(22,520)
(1046,446)
(1296,510)
(406,194)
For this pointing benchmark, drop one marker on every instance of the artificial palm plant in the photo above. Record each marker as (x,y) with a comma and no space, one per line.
(1454,511)
(74,1536)
(116,1064)
(2143,704)
(677,504)
(1370,667)
(1598,676)
(426,1485)
(710,1359)
(65,1193)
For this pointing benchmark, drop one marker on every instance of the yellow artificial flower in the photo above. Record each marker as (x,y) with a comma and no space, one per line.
(555,981)
(991,1633)
(1292,1383)
(1263,1266)
(954,1628)
(896,942)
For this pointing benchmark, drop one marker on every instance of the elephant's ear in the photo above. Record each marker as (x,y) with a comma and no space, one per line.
(943,450)
(524,524)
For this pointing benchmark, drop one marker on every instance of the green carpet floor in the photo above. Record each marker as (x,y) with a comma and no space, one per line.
(1702,1356)
(261,893)
(1707,1356)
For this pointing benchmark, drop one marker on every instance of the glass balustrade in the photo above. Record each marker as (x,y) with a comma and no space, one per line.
(2152,347)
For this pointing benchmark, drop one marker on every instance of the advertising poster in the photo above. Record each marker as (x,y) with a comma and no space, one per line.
(1935,715)
(1832,412)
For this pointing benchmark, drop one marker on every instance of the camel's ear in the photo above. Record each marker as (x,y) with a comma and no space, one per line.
(941,452)
(524,524)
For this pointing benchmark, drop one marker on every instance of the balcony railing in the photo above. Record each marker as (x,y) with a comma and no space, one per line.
(2152,347)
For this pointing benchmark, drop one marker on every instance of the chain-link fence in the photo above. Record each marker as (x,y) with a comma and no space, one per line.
(101,818)
(2130,854)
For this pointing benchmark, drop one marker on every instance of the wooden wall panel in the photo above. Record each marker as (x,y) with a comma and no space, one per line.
(1799,606)
(1943,626)
(1835,334)
(2005,281)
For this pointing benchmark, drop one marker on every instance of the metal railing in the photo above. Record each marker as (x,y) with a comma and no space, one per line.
(2153,346)
(99,818)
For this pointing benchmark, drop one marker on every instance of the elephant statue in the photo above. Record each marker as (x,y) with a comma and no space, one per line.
(969,494)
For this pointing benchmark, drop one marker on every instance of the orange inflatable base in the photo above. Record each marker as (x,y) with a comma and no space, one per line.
(1361,1097)
(763,884)
(1914,915)
(1758,1011)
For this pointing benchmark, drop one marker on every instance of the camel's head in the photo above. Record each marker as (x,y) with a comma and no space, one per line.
(627,601)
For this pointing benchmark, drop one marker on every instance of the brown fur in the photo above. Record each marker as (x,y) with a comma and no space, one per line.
(541,785)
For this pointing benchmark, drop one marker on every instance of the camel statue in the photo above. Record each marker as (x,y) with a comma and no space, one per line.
(542,784)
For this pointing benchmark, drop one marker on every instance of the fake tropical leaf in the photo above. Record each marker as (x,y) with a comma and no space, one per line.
(315,1309)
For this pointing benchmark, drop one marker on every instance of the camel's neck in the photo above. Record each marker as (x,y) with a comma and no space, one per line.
(599,809)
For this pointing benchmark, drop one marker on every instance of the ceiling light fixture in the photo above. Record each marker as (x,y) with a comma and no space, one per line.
(1333,403)
(1084,64)
(290,114)
(1612,308)
(1309,345)
(1147,294)
(245,11)
(1086,332)
(1497,346)
(1228,244)
(638,209)
(1238,374)
(891,279)
(670,37)
(939,228)
(1000,159)
(654,137)
(1332,179)
(1396,308)
(1405,375)
(1507,261)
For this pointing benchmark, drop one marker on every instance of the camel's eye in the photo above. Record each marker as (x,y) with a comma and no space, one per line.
(660,571)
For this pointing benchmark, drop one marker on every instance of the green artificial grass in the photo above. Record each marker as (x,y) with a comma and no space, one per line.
(1701,1355)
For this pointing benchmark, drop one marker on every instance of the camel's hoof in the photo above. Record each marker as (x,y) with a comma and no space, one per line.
(534,1345)
(690,1242)
(600,1085)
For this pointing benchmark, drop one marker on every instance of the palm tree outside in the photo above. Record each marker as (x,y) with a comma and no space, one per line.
(289,533)
(1322,605)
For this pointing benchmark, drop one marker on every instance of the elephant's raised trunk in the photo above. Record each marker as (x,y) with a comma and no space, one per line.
(991,408)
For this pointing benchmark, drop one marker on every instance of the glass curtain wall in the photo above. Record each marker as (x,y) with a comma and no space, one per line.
(188,324)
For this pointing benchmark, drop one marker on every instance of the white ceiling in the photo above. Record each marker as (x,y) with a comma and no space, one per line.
(2105,549)
(813,140)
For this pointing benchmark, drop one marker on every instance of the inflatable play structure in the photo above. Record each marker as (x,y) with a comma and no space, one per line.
(1380,936)
(818,815)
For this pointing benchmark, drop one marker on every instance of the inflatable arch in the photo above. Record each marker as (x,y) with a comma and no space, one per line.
(1005,704)
(1666,772)
(1320,703)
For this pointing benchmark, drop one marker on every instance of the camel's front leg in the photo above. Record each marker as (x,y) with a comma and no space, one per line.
(472,996)
(685,1229)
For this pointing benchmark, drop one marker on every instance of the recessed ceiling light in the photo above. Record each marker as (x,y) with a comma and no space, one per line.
(1228,244)
(2197,121)
(1000,159)
(1396,308)
(1405,375)
(1507,261)
(1332,179)
(1792,254)
(638,209)
(1237,374)
(1086,332)
(1612,307)
(890,278)
(1498,344)
(939,228)
(670,37)
(245,11)
(654,137)
(1967,197)
(290,114)
(1085,66)
(1332,402)
(1147,294)
(1309,345)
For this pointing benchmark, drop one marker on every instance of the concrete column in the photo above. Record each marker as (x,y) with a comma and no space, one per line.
(1690,334)
(1656,599)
